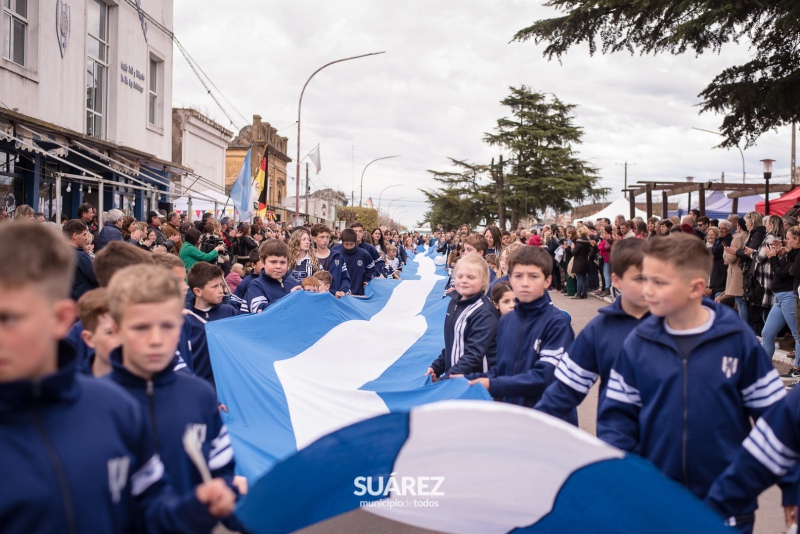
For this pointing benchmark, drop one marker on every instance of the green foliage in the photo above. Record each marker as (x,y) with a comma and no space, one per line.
(543,169)
(757,96)
(463,198)
(366,216)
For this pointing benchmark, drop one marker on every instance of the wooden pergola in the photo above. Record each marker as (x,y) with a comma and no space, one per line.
(733,191)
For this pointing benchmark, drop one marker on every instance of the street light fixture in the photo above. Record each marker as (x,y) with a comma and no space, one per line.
(299,106)
(737,147)
(381,195)
(767,175)
(361,198)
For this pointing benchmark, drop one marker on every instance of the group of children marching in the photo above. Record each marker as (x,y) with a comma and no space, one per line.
(680,378)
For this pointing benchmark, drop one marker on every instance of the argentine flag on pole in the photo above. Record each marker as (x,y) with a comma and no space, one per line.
(329,412)
(242,187)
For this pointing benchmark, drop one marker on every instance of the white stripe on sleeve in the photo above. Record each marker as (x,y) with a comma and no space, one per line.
(618,390)
(147,475)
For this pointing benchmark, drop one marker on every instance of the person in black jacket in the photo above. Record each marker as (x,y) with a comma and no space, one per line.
(75,231)
(243,242)
(470,326)
(757,232)
(719,271)
(580,262)
(552,246)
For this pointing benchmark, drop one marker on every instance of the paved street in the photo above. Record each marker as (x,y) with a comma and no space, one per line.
(769,518)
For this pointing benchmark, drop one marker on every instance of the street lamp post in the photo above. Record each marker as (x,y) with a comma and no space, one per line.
(361,198)
(299,107)
(381,195)
(767,175)
(737,147)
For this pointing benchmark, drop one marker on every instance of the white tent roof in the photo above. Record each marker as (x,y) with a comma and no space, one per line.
(620,206)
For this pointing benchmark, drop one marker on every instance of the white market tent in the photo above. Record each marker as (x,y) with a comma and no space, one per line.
(203,202)
(621,206)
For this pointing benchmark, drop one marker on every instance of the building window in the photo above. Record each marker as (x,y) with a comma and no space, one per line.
(155,91)
(96,68)
(152,98)
(15,31)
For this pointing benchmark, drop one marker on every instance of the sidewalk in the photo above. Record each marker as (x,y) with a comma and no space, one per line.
(781,359)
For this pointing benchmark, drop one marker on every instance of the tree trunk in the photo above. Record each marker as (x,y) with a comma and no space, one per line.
(514,218)
(501,205)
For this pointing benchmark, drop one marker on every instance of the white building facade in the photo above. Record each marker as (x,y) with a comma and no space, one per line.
(85,104)
(200,144)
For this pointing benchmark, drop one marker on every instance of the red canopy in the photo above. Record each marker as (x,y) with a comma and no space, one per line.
(780,205)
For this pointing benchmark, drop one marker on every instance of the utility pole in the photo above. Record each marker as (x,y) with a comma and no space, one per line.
(501,203)
(626,175)
(308,189)
(793,172)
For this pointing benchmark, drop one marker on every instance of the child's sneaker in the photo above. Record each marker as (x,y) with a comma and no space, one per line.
(794,372)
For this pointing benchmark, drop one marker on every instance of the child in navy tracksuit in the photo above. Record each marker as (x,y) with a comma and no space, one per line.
(768,455)
(363,240)
(340,276)
(332,262)
(392,266)
(77,449)
(592,353)
(237,298)
(207,285)
(530,340)
(359,262)
(142,300)
(274,282)
(470,326)
(98,332)
(111,259)
(689,378)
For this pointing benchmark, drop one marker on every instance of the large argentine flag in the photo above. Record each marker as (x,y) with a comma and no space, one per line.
(312,364)
(467,467)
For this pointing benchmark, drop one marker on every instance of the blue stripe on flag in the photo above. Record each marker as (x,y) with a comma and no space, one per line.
(618,496)
(283,390)
(322,476)
(477,451)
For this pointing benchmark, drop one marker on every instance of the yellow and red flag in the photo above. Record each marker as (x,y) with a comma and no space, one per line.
(261,179)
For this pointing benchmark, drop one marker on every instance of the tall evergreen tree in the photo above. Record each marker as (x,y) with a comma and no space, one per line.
(544,171)
(464,197)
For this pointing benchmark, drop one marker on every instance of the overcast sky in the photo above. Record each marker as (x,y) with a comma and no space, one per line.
(436,91)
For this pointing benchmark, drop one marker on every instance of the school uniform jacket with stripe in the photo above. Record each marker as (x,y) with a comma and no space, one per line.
(265,290)
(769,454)
(78,457)
(171,403)
(470,332)
(688,416)
(530,342)
(197,319)
(589,357)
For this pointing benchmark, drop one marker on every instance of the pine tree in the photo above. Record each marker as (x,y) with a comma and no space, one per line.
(544,171)
(464,198)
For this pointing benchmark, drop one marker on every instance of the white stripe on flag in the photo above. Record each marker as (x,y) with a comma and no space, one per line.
(331,399)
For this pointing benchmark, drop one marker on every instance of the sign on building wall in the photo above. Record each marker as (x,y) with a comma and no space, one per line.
(62,25)
(131,76)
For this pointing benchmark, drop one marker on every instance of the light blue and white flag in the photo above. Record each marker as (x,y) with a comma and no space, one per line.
(241,190)
(311,364)
(469,467)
